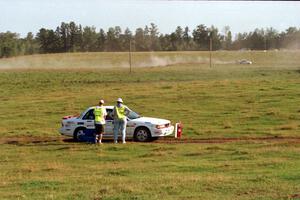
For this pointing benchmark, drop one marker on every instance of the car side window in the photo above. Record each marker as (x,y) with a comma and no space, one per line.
(109,115)
(89,115)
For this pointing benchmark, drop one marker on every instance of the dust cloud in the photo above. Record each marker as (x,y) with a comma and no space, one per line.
(82,61)
(156,61)
(108,60)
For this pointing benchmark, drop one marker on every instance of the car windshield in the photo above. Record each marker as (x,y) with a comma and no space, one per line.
(82,114)
(133,115)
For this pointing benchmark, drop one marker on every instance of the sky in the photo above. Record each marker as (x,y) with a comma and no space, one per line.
(23,16)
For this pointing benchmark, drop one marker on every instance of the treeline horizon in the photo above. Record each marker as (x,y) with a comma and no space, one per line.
(72,37)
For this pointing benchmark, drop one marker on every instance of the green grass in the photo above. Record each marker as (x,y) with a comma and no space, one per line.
(150,171)
(227,100)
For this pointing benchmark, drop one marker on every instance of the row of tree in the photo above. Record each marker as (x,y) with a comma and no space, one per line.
(72,37)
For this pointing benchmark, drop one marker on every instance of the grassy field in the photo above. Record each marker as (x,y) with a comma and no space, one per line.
(57,170)
(225,101)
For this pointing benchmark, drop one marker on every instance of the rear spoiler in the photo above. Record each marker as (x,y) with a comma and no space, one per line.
(69,116)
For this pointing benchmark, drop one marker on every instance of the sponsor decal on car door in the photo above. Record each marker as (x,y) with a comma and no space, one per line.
(89,124)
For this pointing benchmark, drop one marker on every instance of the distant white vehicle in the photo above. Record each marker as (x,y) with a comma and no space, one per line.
(139,128)
(245,62)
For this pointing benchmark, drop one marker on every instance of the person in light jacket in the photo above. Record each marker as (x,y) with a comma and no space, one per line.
(120,120)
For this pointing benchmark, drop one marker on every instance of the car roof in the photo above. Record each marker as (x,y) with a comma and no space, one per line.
(107,107)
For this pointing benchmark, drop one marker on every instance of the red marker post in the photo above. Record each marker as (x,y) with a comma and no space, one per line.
(178,130)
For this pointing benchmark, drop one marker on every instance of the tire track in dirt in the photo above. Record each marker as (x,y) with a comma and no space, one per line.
(22,140)
(228,140)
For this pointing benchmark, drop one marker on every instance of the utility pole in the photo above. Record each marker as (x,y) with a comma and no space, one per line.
(130,57)
(265,40)
(210,50)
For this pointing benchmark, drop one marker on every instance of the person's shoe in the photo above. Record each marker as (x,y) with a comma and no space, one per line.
(124,142)
(116,142)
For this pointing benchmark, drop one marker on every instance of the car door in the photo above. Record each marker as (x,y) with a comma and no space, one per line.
(109,123)
(88,119)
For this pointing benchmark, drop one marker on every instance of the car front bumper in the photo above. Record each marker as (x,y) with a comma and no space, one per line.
(66,131)
(163,132)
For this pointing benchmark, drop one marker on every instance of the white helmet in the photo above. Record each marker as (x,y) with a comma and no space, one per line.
(120,100)
(101,101)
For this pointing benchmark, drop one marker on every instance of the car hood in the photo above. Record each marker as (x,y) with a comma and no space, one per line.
(151,120)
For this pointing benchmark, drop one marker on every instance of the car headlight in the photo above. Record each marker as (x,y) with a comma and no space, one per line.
(163,126)
(160,126)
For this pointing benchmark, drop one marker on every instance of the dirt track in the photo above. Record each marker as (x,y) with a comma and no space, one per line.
(226,140)
(167,140)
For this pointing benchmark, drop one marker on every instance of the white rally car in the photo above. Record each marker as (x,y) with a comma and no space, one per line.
(139,128)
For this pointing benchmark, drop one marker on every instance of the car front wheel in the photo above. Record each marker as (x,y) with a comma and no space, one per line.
(142,134)
(78,133)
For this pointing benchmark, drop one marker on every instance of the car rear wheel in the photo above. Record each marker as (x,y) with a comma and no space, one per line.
(142,134)
(77,133)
